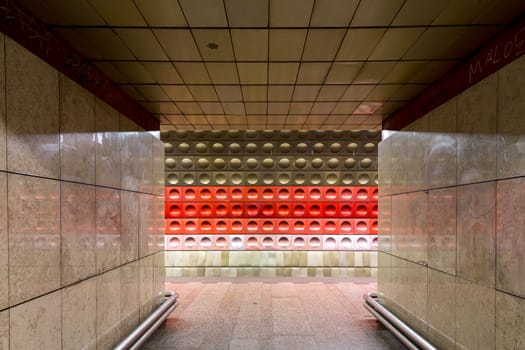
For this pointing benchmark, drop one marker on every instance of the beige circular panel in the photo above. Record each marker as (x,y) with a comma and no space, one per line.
(369,147)
(337,134)
(217,147)
(372,134)
(186,163)
(250,134)
(188,179)
(317,163)
(363,179)
(303,134)
(236,179)
(299,179)
(252,163)
(268,179)
(220,179)
(268,163)
(168,147)
(235,148)
(284,163)
(354,134)
(252,179)
(234,133)
(352,147)
(284,179)
(300,163)
(217,134)
(165,134)
(316,179)
(347,179)
(267,134)
(318,147)
(285,147)
(333,163)
(203,163)
(200,133)
(251,147)
(204,179)
(181,134)
(335,147)
(184,147)
(301,147)
(235,163)
(332,179)
(320,133)
(365,163)
(170,163)
(267,147)
(376,180)
(201,148)
(349,163)
(173,179)
(219,163)
(285,134)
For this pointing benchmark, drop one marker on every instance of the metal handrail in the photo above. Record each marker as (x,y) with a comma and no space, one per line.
(410,338)
(140,334)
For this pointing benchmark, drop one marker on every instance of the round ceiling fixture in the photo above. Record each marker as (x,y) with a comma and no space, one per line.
(213,46)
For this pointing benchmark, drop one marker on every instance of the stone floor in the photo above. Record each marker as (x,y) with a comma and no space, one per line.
(271,313)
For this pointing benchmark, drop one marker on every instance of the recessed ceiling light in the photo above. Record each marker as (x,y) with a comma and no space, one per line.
(212,46)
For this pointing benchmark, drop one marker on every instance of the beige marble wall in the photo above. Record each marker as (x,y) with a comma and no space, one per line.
(79,267)
(452,227)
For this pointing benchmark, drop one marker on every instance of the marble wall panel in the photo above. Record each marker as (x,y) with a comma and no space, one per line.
(146,224)
(510,233)
(36,324)
(129,229)
(4,329)
(129,297)
(4,257)
(32,148)
(441,309)
(108,225)
(385,166)
(34,236)
(476,226)
(399,225)
(78,231)
(399,163)
(3,140)
(477,110)
(510,322)
(158,165)
(129,160)
(417,297)
(77,137)
(416,218)
(146,276)
(441,226)
(108,309)
(146,162)
(475,316)
(78,316)
(107,161)
(511,129)
(417,153)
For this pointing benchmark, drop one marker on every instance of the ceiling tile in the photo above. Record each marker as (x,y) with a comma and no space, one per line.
(109,45)
(236,120)
(152,107)
(142,44)
(250,44)
(218,120)
(357,92)
(407,92)
(300,107)
(211,107)
(247,13)
(203,92)
(345,107)
(223,73)
(132,92)
(343,72)
(312,73)
(500,12)
(275,126)
(161,13)
(359,43)
(161,107)
(403,72)
(280,92)
(432,71)
(255,107)
(333,13)
(462,12)
(356,119)
(231,93)
(197,119)
(395,43)
(193,72)
(282,73)
(367,108)
(64,12)
(177,119)
(256,120)
(296,119)
(335,120)
(315,119)
(375,13)
(152,92)
(306,92)
(290,13)
(382,92)
(112,72)
(204,13)
(189,107)
(278,107)
(252,73)
(254,92)
(178,92)
(460,42)
(119,12)
(221,37)
(134,72)
(287,44)
(236,108)
(373,72)
(419,13)
(178,44)
(322,44)
(322,107)
(163,72)
(331,92)
(390,107)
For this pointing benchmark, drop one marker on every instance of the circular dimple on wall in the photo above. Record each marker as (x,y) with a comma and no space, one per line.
(363,179)
(174,194)
(204,179)
(190,194)
(235,163)
(200,133)
(302,134)
(235,148)
(221,242)
(236,194)
(298,242)
(168,147)
(333,163)
(252,179)
(217,147)
(181,134)
(165,134)
(267,134)
(221,210)
(186,163)
(346,210)
(372,134)
(346,194)
(346,243)
(237,210)
(174,210)
(347,179)
(300,163)
(268,210)
(283,210)
(283,193)
(376,180)
(236,243)
(220,179)
(352,147)
(221,226)
(188,179)
(267,179)
(298,193)
(316,179)
(236,179)
(369,147)
(365,163)
(284,163)
(354,134)
(252,210)
(283,225)
(190,242)
(314,242)
(252,194)
(283,242)
(349,163)
(206,242)
(285,147)
(184,147)
(205,194)
(175,226)
(335,147)
(174,242)
(301,147)
(299,179)
(267,242)
(330,243)
(317,163)
(268,193)
(362,243)
(332,179)
(250,134)
(267,163)
(203,163)
(337,134)
(234,134)
(201,147)
(252,163)
(284,179)
(320,133)
(190,210)
(219,163)
(315,193)
(318,147)
(252,242)
(217,134)
(221,194)
(251,147)
(267,147)
(170,163)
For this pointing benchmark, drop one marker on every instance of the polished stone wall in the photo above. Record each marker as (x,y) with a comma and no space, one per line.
(81,212)
(451,217)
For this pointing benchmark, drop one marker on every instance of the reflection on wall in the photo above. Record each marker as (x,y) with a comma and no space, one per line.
(81,201)
(452,227)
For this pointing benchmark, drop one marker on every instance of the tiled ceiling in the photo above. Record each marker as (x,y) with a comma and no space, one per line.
(275,64)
